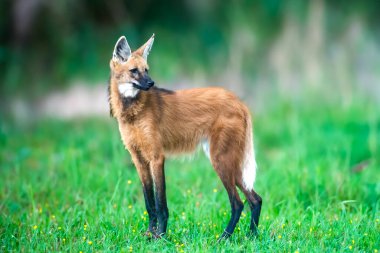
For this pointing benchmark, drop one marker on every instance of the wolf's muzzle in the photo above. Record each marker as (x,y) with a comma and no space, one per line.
(144,85)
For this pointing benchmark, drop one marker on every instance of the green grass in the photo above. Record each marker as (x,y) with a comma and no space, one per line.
(70,186)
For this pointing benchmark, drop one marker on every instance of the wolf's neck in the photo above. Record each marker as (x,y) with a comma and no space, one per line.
(125,102)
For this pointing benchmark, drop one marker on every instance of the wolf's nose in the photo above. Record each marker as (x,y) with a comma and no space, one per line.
(151,83)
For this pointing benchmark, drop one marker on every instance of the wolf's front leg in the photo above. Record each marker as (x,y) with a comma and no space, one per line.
(143,170)
(158,173)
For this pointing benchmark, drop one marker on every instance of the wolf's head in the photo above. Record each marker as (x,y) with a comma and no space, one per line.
(130,69)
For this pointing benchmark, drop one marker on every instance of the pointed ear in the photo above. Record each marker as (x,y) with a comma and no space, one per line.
(144,50)
(122,51)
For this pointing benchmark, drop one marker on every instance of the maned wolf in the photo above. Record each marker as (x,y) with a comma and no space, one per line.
(155,122)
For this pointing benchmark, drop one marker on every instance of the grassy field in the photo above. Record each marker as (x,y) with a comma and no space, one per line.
(70,186)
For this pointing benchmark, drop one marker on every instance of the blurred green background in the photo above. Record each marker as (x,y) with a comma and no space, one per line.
(309,70)
(283,46)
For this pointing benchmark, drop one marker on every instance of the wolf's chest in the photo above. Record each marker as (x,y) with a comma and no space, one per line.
(136,136)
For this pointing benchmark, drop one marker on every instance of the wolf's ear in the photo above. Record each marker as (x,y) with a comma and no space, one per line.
(144,50)
(122,51)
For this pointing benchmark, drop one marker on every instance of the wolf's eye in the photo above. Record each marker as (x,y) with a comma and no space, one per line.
(146,70)
(134,71)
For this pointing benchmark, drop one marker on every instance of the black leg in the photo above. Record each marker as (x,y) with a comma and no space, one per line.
(255,206)
(160,188)
(236,209)
(143,170)
(150,206)
(255,202)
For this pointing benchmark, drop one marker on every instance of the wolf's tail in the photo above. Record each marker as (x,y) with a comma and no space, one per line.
(249,161)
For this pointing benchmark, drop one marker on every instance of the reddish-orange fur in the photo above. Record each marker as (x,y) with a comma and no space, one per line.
(157,123)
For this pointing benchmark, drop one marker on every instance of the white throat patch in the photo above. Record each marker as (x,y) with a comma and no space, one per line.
(127,90)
